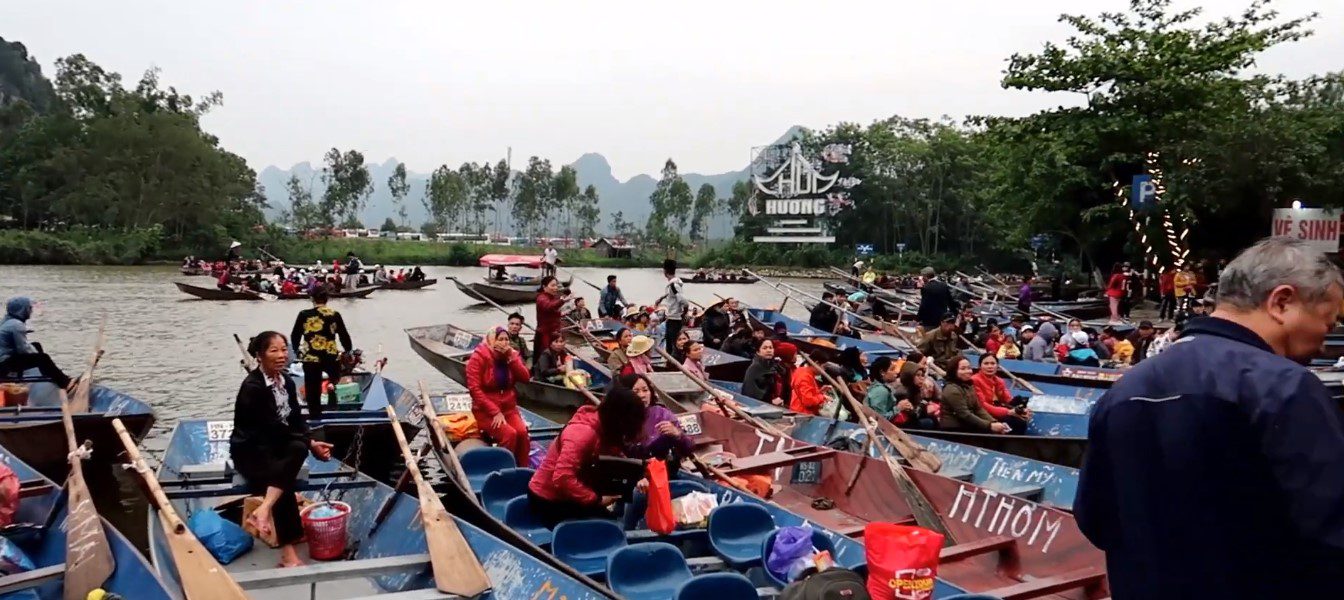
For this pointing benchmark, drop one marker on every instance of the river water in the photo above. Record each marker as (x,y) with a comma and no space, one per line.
(177,353)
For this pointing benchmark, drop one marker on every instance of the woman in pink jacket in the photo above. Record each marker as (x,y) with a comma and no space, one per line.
(563,487)
(492,372)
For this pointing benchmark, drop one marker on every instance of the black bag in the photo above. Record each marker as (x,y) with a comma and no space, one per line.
(831,584)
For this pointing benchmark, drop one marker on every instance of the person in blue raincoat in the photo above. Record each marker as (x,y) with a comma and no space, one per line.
(1216,469)
(17,354)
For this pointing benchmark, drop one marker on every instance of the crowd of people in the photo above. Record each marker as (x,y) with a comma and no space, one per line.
(294,280)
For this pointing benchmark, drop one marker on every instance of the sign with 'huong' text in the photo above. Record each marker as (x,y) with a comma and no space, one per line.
(1319,226)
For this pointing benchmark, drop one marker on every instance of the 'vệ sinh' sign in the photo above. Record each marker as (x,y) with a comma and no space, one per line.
(1321,227)
(801,190)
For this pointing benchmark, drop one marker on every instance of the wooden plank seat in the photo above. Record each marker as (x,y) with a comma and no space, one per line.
(29,489)
(242,490)
(1090,579)
(838,521)
(1026,491)
(1009,564)
(330,571)
(31,579)
(774,460)
(957,474)
(222,473)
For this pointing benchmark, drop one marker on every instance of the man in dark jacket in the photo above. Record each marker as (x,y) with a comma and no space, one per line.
(1143,340)
(823,316)
(717,326)
(935,300)
(1216,468)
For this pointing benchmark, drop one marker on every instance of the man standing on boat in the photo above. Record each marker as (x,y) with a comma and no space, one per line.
(1216,469)
(611,304)
(549,258)
(935,300)
(675,302)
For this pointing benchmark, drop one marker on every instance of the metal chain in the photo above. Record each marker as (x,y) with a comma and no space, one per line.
(356,451)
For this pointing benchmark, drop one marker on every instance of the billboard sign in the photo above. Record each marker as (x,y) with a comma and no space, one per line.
(1319,226)
(802,190)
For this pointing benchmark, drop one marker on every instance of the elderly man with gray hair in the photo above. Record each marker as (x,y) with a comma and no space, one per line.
(1216,469)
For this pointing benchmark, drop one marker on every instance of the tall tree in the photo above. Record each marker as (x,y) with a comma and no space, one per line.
(589,213)
(671,200)
(705,200)
(303,213)
(535,192)
(396,183)
(500,192)
(348,184)
(566,195)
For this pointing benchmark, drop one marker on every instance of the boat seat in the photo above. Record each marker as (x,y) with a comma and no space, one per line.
(957,474)
(648,571)
(31,579)
(327,571)
(1006,547)
(1091,579)
(634,512)
(819,541)
(518,516)
(773,460)
(479,463)
(719,586)
(586,544)
(502,486)
(736,531)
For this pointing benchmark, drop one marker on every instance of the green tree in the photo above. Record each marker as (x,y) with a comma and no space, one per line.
(389,225)
(671,200)
(534,194)
(566,196)
(348,184)
(303,213)
(624,229)
(501,193)
(588,212)
(396,183)
(352,222)
(705,200)
(439,194)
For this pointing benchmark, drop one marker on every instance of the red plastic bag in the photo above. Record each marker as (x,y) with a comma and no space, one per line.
(659,514)
(902,561)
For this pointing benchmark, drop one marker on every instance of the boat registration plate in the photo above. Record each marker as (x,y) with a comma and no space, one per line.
(457,403)
(218,431)
(690,424)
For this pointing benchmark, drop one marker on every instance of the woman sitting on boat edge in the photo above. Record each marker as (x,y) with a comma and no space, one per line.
(492,372)
(568,484)
(555,361)
(661,436)
(994,397)
(637,360)
(961,408)
(762,380)
(270,442)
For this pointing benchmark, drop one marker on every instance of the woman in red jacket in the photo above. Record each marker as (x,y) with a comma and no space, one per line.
(562,488)
(492,372)
(550,306)
(993,395)
(1115,290)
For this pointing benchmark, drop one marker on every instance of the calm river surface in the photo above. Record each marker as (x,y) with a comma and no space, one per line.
(177,353)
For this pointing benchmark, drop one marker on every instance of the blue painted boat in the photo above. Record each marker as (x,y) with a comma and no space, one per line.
(39,530)
(390,558)
(1039,481)
(35,435)
(690,554)
(359,430)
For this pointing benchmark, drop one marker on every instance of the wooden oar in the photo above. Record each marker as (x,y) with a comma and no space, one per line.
(582,280)
(201,575)
(88,558)
(456,568)
(1057,315)
(925,515)
(439,440)
(249,364)
(751,419)
(80,403)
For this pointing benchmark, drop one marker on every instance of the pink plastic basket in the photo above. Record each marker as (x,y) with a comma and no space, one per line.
(326,536)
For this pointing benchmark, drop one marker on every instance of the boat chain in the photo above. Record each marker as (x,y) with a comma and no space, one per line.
(356,451)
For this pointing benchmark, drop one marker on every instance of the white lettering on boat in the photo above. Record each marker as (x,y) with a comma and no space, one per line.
(1003,514)
(1020,471)
(84,531)
(506,574)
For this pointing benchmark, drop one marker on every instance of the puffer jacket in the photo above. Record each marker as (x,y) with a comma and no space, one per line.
(487,395)
(579,443)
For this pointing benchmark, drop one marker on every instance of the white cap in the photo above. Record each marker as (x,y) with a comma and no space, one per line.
(235,244)
(1080,337)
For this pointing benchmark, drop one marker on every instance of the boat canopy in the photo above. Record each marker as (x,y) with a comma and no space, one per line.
(511,260)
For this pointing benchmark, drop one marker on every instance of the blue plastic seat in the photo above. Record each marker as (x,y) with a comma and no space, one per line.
(819,541)
(518,517)
(736,531)
(647,571)
(639,504)
(587,544)
(718,586)
(479,463)
(502,486)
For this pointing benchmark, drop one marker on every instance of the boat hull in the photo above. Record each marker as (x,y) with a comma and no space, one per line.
(206,293)
(36,435)
(408,285)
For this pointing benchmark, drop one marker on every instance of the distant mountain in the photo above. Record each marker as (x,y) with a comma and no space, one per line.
(21,78)
(630,197)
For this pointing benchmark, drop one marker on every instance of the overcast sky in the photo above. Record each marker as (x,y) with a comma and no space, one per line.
(701,82)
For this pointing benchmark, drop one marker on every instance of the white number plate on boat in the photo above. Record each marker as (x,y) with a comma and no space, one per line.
(218,431)
(690,424)
(462,339)
(457,403)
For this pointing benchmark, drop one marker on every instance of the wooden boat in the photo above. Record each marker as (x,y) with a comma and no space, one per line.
(39,530)
(386,558)
(1042,482)
(719,364)
(210,293)
(725,280)
(694,547)
(1007,546)
(447,348)
(408,285)
(500,294)
(34,433)
(359,431)
(194,271)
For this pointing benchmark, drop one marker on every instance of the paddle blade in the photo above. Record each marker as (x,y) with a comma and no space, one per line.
(88,558)
(456,569)
(202,577)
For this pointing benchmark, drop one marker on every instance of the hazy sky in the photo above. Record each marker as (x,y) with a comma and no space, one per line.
(701,82)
